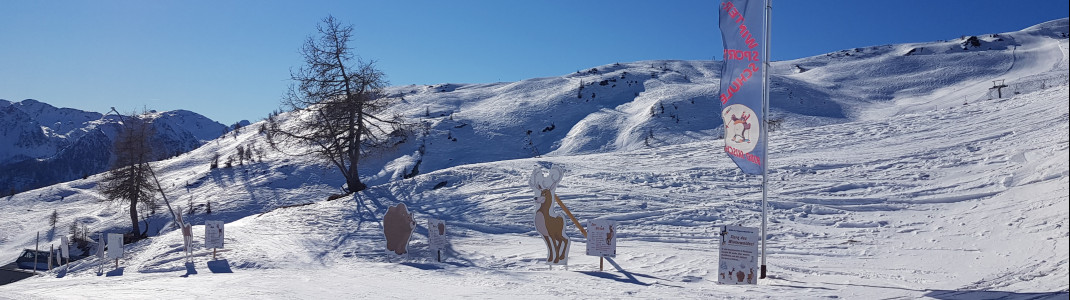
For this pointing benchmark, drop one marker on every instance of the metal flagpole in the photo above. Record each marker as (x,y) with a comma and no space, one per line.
(764,128)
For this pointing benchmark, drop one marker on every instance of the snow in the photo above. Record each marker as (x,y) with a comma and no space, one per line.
(884,182)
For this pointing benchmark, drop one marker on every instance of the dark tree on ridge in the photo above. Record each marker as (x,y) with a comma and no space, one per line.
(342,99)
(130,178)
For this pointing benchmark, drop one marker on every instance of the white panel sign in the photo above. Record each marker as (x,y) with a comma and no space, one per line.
(115,245)
(213,234)
(739,255)
(64,247)
(602,238)
(436,232)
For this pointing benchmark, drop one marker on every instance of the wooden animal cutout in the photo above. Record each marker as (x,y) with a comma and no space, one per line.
(187,238)
(397,227)
(549,223)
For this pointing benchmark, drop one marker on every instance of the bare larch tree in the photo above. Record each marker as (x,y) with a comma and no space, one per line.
(342,97)
(130,178)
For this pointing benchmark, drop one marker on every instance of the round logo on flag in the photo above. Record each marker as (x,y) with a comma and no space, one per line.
(741,129)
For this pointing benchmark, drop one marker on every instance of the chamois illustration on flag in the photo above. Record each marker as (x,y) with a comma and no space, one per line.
(742,106)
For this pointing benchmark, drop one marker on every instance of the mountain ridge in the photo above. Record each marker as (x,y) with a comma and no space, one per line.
(44,144)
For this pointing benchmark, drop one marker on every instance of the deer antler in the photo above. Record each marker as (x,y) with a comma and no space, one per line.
(536,179)
(556,173)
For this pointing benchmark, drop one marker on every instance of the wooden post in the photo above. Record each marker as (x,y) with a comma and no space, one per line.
(100,260)
(213,254)
(35,246)
(601,264)
(51,255)
(569,213)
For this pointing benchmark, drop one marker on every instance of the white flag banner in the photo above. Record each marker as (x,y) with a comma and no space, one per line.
(742,107)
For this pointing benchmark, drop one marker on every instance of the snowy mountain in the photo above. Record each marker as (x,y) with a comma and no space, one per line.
(42,145)
(896,172)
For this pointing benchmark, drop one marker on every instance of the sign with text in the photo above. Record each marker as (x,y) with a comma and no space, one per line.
(213,234)
(602,238)
(739,255)
(115,245)
(64,247)
(436,233)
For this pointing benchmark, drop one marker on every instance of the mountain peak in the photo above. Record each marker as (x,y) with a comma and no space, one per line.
(42,144)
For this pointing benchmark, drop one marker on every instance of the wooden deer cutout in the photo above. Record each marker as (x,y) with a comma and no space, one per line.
(549,223)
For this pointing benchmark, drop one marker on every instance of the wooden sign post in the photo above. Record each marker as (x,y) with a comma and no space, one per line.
(601,240)
(739,255)
(213,236)
(436,234)
(115,247)
(64,249)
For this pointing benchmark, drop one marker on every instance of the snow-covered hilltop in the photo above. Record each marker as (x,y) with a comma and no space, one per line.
(630,106)
(895,172)
(41,144)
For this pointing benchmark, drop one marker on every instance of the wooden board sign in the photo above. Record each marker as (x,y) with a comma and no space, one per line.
(115,245)
(738,262)
(213,234)
(602,238)
(436,234)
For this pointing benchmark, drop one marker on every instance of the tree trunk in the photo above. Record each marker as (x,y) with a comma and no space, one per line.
(353,180)
(356,125)
(133,216)
(146,232)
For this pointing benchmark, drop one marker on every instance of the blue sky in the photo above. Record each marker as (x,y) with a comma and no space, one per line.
(230,60)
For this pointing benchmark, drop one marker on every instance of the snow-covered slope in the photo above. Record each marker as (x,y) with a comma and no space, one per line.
(629,106)
(42,145)
(884,182)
